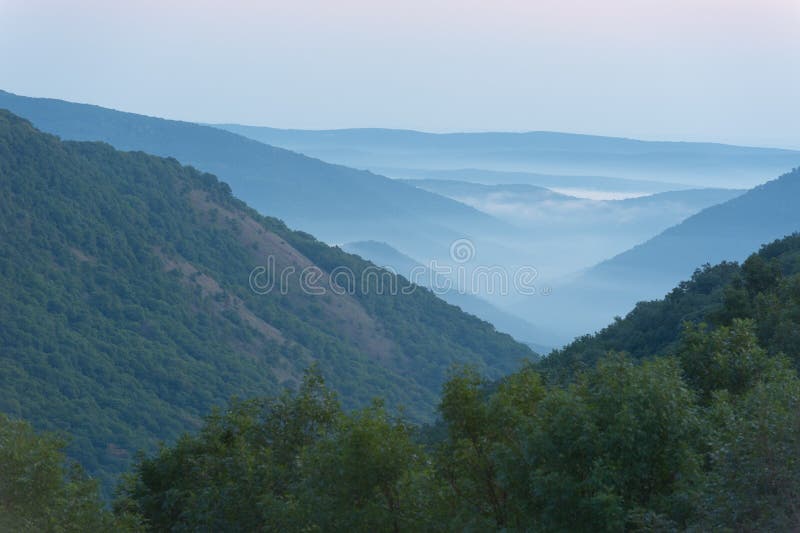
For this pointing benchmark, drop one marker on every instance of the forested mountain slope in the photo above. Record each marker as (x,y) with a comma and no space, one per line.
(698,431)
(127,310)
(765,288)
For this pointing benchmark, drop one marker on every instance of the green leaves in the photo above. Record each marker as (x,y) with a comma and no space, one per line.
(127,313)
(618,446)
(616,442)
(708,441)
(363,475)
(242,471)
(728,358)
(754,478)
(41,492)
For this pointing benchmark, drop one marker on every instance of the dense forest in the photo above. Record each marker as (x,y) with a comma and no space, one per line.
(763,288)
(704,438)
(126,321)
(127,312)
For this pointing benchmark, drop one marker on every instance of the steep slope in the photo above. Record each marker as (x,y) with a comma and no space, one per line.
(129,306)
(728,231)
(764,288)
(336,203)
(696,164)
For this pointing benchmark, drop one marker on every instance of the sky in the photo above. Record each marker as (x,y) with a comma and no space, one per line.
(695,70)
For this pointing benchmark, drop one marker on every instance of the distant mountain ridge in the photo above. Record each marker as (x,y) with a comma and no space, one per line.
(697,164)
(556,182)
(762,288)
(725,232)
(728,231)
(456,189)
(580,230)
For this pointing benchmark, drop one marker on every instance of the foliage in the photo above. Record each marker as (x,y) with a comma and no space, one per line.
(754,478)
(696,428)
(765,288)
(292,463)
(661,445)
(40,491)
(127,314)
(364,476)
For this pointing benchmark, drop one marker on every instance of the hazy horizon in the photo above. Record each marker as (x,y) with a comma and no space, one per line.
(709,71)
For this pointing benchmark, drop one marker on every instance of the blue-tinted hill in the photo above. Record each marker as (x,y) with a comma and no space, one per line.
(725,232)
(697,164)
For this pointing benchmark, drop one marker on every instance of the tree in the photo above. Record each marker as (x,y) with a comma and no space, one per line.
(41,492)
(366,474)
(754,478)
(613,451)
(728,358)
(241,472)
(467,460)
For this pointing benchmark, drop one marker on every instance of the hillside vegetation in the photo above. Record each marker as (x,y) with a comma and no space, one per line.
(128,314)
(764,288)
(128,319)
(705,439)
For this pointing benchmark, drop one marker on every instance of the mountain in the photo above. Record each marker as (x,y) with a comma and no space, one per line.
(701,436)
(137,294)
(335,203)
(695,164)
(728,231)
(385,256)
(578,231)
(763,289)
(531,205)
(468,189)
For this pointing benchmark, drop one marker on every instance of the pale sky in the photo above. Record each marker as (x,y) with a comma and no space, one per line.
(713,70)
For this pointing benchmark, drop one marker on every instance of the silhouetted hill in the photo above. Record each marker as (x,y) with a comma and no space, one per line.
(579,232)
(533,196)
(728,231)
